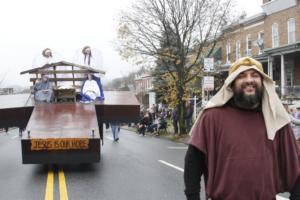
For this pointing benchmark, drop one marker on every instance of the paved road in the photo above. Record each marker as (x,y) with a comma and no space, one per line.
(135,168)
(130,169)
(19,181)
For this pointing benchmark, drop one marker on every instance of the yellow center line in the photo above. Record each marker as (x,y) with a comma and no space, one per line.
(63,193)
(49,185)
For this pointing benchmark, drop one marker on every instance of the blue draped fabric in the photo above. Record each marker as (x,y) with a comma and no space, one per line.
(86,98)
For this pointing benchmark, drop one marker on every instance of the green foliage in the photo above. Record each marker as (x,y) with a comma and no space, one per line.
(166,89)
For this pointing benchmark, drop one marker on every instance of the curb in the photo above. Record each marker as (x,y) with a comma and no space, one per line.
(171,137)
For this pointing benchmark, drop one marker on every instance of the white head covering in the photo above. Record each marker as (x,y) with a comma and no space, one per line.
(40,59)
(274,113)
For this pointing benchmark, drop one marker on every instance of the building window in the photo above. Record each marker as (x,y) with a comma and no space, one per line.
(275,35)
(248,45)
(237,49)
(260,42)
(227,53)
(291,31)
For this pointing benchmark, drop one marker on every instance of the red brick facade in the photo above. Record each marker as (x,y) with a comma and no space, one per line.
(281,18)
(264,25)
(274,58)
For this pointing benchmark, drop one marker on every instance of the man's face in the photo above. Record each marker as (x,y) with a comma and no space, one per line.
(44,78)
(247,88)
(87,51)
(48,53)
(90,77)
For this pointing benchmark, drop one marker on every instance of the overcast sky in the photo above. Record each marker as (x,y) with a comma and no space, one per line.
(27,27)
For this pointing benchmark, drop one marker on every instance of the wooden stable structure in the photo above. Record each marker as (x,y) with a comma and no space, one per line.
(73,73)
(67,132)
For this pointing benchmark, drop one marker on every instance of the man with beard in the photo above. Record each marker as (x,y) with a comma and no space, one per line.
(43,90)
(242,142)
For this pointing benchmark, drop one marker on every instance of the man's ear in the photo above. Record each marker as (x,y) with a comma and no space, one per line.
(231,85)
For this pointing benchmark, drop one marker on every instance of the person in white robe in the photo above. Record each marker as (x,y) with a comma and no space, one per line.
(46,57)
(90,89)
(89,57)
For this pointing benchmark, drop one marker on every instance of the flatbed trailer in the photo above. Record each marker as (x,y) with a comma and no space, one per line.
(65,133)
(62,133)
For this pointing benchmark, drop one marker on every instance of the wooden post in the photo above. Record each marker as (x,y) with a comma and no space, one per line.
(73,76)
(55,81)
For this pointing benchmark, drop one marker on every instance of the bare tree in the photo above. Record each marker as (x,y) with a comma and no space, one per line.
(178,33)
(3,78)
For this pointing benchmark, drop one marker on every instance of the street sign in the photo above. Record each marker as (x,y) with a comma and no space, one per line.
(208,64)
(208,83)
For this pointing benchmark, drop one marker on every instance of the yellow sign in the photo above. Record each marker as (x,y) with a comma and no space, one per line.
(59,144)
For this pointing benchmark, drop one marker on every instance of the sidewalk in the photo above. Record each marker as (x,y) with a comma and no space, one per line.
(170,136)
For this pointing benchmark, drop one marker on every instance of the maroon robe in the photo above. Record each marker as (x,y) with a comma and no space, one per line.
(242,163)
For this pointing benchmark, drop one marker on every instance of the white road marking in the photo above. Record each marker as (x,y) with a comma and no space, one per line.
(110,138)
(170,165)
(184,148)
(281,198)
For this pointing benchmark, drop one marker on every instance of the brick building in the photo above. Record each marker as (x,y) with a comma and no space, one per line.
(272,37)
